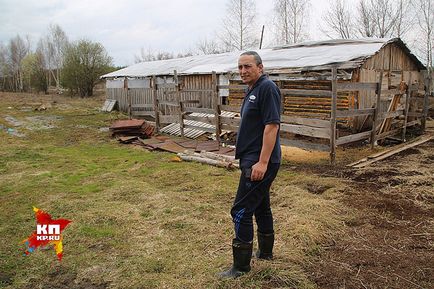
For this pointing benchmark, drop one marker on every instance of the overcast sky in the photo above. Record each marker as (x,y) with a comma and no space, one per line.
(123,27)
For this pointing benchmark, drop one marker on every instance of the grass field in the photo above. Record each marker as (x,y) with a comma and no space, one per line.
(140,219)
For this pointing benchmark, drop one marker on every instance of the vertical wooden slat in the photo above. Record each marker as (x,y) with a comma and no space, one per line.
(215,98)
(128,96)
(407,106)
(376,111)
(155,99)
(333,117)
(425,100)
(178,99)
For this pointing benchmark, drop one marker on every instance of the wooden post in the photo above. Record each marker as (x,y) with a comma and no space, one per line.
(126,89)
(178,99)
(156,106)
(407,106)
(377,110)
(425,100)
(333,117)
(217,111)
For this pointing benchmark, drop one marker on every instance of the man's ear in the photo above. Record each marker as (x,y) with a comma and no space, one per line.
(261,67)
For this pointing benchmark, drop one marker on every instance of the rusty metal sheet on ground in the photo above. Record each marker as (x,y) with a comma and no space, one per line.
(171,146)
(128,123)
(190,144)
(209,146)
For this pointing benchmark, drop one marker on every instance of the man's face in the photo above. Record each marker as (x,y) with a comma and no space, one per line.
(249,71)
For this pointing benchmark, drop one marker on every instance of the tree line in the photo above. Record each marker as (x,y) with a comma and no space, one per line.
(75,66)
(288,23)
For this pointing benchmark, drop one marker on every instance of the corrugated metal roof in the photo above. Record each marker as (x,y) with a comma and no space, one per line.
(348,52)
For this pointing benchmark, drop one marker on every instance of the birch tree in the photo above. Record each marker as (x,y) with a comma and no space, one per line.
(291,18)
(339,20)
(238,27)
(18,49)
(425,9)
(53,46)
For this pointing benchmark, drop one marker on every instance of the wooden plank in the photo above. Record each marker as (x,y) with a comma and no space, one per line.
(169,103)
(353,138)
(305,130)
(392,152)
(355,112)
(305,121)
(406,108)
(205,119)
(230,108)
(199,110)
(143,113)
(155,99)
(356,86)
(388,133)
(169,119)
(216,101)
(304,144)
(230,120)
(391,114)
(332,133)
(428,81)
(197,90)
(142,105)
(306,92)
(377,111)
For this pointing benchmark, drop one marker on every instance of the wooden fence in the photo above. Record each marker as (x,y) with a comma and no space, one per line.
(384,124)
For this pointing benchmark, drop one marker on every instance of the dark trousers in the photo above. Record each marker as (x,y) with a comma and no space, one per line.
(253,198)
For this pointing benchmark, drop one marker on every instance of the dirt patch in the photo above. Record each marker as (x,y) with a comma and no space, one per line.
(389,243)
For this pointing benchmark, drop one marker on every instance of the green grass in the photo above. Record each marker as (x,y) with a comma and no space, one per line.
(139,220)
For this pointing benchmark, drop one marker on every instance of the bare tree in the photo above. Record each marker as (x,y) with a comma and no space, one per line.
(366,24)
(208,46)
(425,13)
(238,31)
(291,17)
(339,21)
(384,18)
(404,18)
(53,48)
(18,49)
(150,55)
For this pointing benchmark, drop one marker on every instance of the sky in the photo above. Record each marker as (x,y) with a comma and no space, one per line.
(123,27)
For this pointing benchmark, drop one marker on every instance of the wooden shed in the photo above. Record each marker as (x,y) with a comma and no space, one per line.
(343,81)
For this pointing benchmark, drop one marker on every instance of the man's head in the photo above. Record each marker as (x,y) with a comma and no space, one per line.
(250,67)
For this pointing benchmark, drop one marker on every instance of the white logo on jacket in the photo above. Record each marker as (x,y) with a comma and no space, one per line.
(252,98)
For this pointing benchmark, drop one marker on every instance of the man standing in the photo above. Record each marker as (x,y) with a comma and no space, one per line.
(258,149)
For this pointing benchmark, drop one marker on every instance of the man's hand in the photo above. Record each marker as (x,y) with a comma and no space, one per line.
(258,171)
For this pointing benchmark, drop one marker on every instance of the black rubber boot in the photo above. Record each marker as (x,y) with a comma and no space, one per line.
(265,244)
(242,254)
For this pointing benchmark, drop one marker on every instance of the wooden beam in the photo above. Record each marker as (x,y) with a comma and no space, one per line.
(305,130)
(406,108)
(305,121)
(216,101)
(353,137)
(427,85)
(355,112)
(387,153)
(306,92)
(356,86)
(199,110)
(333,133)
(155,99)
(377,110)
